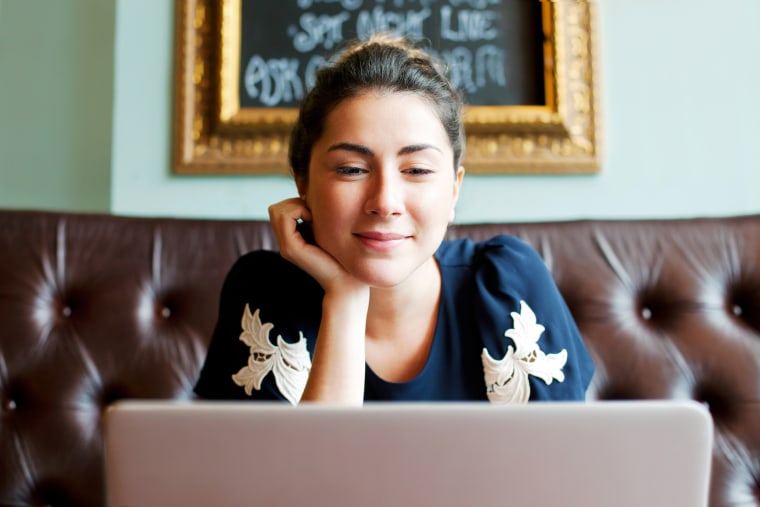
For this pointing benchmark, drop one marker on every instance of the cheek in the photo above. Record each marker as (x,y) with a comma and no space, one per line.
(435,207)
(329,214)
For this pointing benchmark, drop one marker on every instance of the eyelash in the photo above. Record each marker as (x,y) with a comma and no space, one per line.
(350,171)
(418,171)
(353,171)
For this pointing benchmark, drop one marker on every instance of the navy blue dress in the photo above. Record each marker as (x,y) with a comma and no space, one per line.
(500,311)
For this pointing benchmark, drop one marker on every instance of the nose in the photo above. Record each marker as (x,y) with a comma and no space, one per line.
(385,195)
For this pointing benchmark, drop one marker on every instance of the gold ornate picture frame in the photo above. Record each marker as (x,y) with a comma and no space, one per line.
(213,135)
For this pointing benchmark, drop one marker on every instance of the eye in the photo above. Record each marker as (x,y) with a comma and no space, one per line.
(418,171)
(350,171)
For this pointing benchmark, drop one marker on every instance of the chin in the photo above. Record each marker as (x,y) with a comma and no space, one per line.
(383,275)
(379,280)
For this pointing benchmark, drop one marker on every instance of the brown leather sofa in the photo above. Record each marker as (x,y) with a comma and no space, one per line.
(97,308)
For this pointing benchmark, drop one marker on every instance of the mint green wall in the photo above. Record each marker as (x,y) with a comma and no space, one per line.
(56,93)
(142,180)
(680,117)
(680,110)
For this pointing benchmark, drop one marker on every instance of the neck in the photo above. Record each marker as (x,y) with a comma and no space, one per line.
(410,304)
(401,324)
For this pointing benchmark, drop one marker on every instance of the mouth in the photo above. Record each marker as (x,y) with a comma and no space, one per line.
(381,236)
(381,240)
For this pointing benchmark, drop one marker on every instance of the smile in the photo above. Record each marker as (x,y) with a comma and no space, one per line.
(381,240)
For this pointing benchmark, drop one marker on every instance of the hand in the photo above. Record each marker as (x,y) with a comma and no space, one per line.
(323,267)
(338,362)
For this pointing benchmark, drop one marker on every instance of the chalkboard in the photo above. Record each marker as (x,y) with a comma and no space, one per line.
(493,48)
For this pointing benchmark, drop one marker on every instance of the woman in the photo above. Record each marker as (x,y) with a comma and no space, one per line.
(366,299)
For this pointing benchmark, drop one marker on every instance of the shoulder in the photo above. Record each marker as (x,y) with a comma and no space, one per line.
(285,294)
(282,293)
(467,251)
(265,271)
(521,319)
(502,263)
(264,262)
(499,257)
(269,314)
(497,277)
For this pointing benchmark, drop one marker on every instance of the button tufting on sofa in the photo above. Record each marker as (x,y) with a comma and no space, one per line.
(96,308)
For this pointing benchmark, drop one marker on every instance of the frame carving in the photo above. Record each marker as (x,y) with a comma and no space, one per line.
(213,135)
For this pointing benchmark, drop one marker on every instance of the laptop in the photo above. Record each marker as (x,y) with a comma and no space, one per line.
(230,454)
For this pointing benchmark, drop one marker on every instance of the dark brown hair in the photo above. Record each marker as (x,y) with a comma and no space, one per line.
(384,63)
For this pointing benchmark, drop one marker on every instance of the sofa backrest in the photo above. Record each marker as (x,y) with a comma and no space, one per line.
(97,308)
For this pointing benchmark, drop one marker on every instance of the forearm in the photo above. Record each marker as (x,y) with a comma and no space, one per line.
(338,362)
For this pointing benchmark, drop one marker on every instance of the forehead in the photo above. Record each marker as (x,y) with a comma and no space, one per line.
(385,116)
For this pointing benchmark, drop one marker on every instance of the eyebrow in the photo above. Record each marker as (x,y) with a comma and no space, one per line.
(356,148)
(363,150)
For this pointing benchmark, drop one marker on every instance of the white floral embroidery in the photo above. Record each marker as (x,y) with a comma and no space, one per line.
(290,362)
(507,379)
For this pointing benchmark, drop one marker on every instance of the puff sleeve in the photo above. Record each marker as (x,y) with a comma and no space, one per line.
(269,313)
(533,349)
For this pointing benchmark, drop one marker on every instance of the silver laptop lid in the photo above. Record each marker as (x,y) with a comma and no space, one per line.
(623,454)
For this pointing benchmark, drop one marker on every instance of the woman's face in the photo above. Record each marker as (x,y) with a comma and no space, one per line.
(381,186)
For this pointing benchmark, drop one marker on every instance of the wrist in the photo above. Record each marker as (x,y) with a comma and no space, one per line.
(349,296)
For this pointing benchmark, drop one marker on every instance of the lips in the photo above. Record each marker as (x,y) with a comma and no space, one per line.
(383,241)
(381,236)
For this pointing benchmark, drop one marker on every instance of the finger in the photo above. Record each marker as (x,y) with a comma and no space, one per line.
(285,217)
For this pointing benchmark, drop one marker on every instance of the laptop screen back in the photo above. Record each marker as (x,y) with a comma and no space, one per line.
(623,454)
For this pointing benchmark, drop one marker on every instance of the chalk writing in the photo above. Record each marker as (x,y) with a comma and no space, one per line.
(409,23)
(470,35)
(474,72)
(467,24)
(273,81)
(346,4)
(475,4)
(319,30)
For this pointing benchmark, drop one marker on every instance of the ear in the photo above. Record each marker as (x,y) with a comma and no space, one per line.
(301,186)
(457,186)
